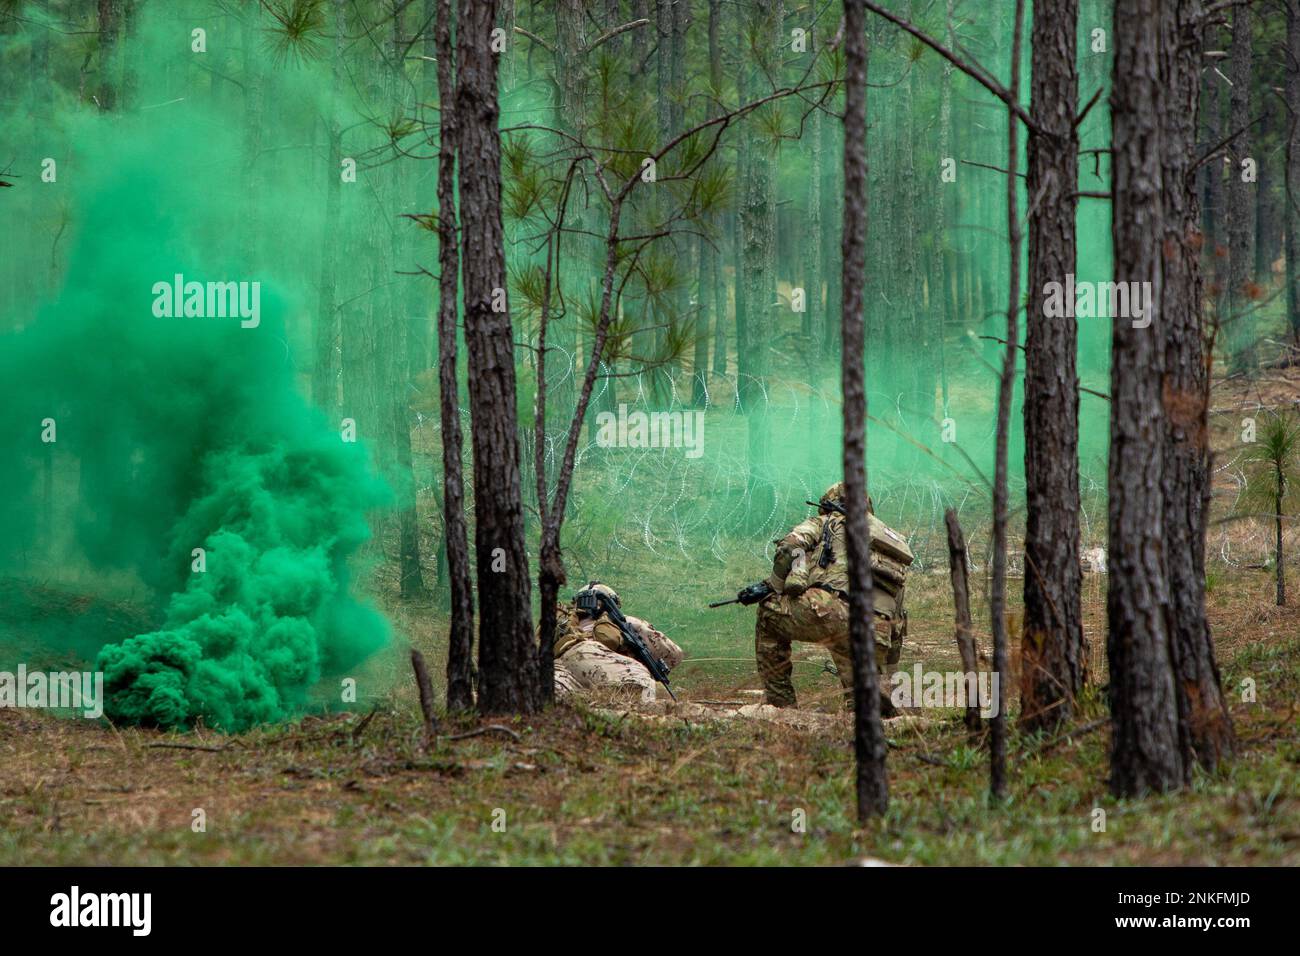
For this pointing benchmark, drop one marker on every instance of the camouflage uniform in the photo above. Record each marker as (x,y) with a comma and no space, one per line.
(810,601)
(590,653)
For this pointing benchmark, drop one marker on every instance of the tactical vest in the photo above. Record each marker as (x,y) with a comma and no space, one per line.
(890,559)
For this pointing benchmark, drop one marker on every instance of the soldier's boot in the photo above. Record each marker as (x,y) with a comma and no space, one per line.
(774,668)
(844,665)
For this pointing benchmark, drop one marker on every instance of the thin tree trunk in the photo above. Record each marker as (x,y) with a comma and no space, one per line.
(868,734)
(507,661)
(998,597)
(460,666)
(1278,555)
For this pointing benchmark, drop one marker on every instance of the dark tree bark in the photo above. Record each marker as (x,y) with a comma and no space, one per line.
(460,642)
(1145,751)
(1205,728)
(998,597)
(1053,658)
(1241,201)
(507,661)
(868,734)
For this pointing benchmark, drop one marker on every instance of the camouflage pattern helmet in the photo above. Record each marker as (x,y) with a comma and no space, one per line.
(604,589)
(835,495)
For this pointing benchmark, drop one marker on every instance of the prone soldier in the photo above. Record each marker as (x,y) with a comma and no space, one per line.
(596,646)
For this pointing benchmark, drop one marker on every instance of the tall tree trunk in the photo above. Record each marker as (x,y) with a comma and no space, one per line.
(1053,658)
(1241,201)
(998,597)
(1205,728)
(868,734)
(507,662)
(460,641)
(1145,750)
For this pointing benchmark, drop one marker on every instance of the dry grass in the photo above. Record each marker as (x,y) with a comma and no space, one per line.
(591,786)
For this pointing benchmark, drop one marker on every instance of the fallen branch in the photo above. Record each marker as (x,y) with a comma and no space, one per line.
(483,730)
(214,750)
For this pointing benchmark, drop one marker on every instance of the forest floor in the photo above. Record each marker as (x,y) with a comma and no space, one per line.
(712,781)
(602,784)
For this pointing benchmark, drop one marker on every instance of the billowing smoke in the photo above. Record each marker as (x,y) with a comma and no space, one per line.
(175,452)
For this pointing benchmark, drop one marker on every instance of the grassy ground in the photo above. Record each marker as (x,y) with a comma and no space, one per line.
(599,786)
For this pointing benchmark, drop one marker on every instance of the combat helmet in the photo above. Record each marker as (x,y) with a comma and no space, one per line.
(604,589)
(834,495)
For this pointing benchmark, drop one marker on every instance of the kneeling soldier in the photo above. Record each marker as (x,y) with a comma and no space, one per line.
(809,599)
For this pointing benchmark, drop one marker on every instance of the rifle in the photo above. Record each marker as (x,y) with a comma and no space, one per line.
(828,553)
(593,602)
(750,594)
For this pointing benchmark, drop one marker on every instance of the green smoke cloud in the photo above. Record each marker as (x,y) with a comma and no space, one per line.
(174,434)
